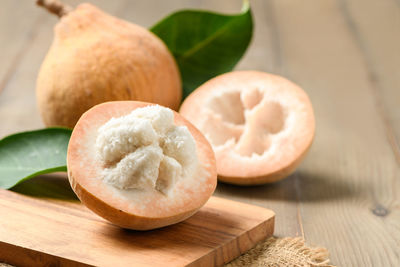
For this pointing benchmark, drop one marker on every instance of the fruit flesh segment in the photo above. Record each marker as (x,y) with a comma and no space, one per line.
(244,119)
(145,150)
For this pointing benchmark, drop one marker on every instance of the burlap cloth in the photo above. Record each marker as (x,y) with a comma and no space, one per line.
(276,252)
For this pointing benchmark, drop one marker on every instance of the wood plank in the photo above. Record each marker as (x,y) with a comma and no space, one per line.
(348,185)
(264,54)
(375,26)
(34,232)
(148,13)
(18,28)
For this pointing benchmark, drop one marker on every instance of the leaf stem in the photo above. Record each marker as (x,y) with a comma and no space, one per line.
(54,6)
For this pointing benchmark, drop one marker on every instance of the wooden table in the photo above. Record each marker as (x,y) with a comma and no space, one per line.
(345,54)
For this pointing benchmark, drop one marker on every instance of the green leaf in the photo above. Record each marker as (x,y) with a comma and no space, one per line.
(25,155)
(205,44)
(54,185)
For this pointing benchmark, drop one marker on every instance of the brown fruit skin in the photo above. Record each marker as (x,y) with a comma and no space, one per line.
(79,175)
(96,58)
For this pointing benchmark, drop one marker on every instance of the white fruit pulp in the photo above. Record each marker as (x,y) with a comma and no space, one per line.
(146,150)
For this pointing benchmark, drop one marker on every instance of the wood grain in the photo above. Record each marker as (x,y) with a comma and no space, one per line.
(344,53)
(15,40)
(348,187)
(36,232)
(375,26)
(264,54)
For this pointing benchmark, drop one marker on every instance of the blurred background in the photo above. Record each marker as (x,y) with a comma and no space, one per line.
(344,53)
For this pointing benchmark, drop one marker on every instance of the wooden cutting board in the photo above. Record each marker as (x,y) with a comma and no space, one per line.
(40,232)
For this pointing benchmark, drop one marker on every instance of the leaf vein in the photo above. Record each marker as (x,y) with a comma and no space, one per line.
(205,42)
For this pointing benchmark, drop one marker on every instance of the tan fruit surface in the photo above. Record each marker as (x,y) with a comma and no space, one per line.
(96,58)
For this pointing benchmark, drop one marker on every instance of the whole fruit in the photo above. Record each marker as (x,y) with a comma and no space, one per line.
(96,58)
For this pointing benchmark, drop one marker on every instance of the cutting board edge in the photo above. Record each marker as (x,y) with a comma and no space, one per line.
(9,252)
(224,253)
(257,234)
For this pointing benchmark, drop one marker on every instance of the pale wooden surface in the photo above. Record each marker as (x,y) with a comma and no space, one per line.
(37,232)
(344,53)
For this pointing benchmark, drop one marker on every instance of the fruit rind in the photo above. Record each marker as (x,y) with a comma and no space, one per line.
(234,164)
(100,198)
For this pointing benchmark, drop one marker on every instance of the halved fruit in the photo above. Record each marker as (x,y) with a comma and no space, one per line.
(129,204)
(259,125)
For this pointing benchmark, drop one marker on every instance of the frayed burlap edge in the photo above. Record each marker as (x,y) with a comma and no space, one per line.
(288,251)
